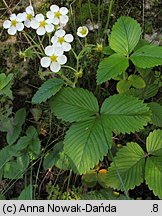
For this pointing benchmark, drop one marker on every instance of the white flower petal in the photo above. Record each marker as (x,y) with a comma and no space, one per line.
(41,31)
(58,50)
(64,19)
(66,47)
(80,35)
(54,8)
(7,24)
(39,17)
(60,33)
(62,59)
(27,23)
(50,15)
(49,50)
(63,10)
(21,17)
(45,62)
(55,67)
(56,21)
(34,24)
(12,30)
(29,10)
(13,17)
(49,21)
(49,28)
(69,38)
(54,39)
(80,29)
(19,26)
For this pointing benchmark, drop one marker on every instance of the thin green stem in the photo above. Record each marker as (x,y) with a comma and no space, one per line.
(40,41)
(34,42)
(75,55)
(108,18)
(89,5)
(68,81)
(66,66)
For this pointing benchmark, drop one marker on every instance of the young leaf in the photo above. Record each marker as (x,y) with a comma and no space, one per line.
(47,90)
(154,143)
(153,174)
(31,141)
(130,162)
(156,110)
(149,91)
(4,80)
(74,104)
(147,56)
(14,132)
(136,81)
(56,157)
(111,67)
(125,113)
(85,143)
(123,86)
(125,35)
(89,179)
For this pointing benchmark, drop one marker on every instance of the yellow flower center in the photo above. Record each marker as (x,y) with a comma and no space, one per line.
(61,40)
(57,14)
(53,58)
(29,16)
(13,23)
(42,23)
(83,31)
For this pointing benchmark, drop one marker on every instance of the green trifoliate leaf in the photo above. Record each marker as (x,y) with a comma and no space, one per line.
(147,56)
(86,143)
(74,104)
(125,35)
(156,110)
(47,90)
(153,174)
(125,113)
(136,81)
(111,67)
(123,86)
(130,162)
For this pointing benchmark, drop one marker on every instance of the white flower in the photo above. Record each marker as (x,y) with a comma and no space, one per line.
(82,31)
(54,58)
(14,24)
(42,25)
(29,15)
(62,39)
(58,15)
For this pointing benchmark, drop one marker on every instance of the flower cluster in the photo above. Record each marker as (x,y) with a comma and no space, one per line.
(55,20)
